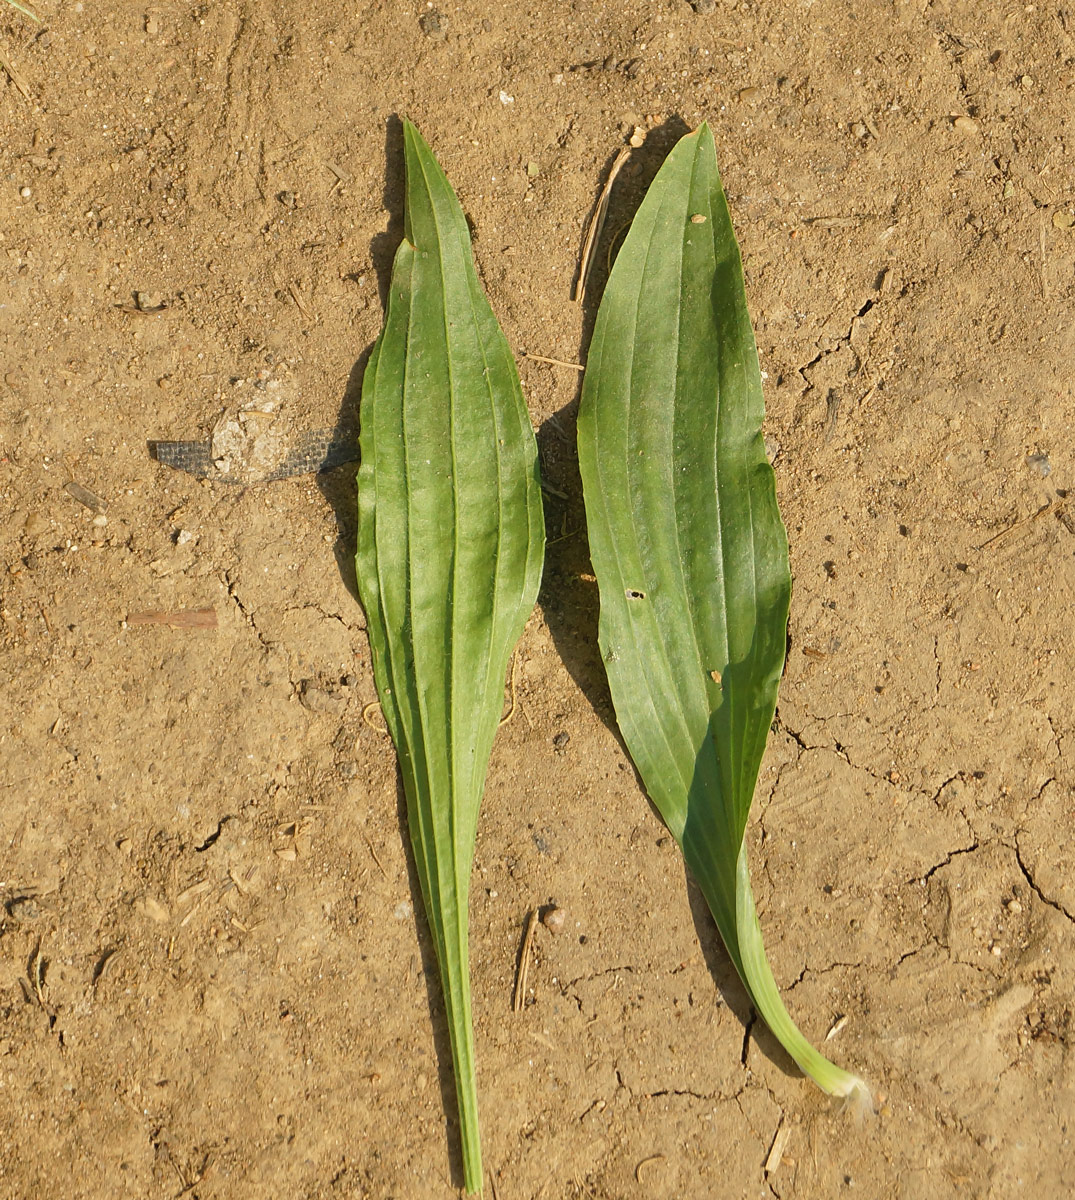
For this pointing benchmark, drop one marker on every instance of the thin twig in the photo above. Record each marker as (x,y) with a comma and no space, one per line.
(653,1158)
(191,618)
(300,304)
(341,176)
(373,854)
(366,710)
(37,974)
(612,244)
(523,970)
(1022,521)
(562,538)
(12,74)
(597,222)
(511,686)
(780,1144)
(556,362)
(1041,248)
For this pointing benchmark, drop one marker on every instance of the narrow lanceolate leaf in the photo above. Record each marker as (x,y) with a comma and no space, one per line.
(450,547)
(688,546)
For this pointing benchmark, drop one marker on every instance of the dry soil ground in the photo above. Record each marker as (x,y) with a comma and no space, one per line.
(213,982)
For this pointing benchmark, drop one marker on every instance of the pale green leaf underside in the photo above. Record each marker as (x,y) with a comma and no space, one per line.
(450,549)
(687,542)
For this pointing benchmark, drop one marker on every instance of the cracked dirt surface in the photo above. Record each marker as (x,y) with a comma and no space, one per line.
(212,979)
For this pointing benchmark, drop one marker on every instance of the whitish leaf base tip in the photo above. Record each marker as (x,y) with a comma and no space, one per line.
(858,1097)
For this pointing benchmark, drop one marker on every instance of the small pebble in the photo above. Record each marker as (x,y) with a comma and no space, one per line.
(36,523)
(318,700)
(965,125)
(554,919)
(859,130)
(23,909)
(25,193)
(433,25)
(698,219)
(638,136)
(749,94)
(85,497)
(505,99)
(1039,463)
(704,7)
(153,909)
(1063,219)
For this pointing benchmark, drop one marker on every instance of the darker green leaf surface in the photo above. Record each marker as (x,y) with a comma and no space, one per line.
(687,543)
(450,548)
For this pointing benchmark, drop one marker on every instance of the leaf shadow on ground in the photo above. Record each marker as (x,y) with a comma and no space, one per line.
(568,595)
(339,487)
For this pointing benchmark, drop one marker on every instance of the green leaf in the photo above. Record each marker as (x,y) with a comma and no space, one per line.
(688,546)
(450,549)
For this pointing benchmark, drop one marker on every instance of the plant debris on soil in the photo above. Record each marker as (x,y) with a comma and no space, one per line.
(211,976)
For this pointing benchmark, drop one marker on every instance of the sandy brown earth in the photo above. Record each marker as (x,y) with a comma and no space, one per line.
(213,982)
